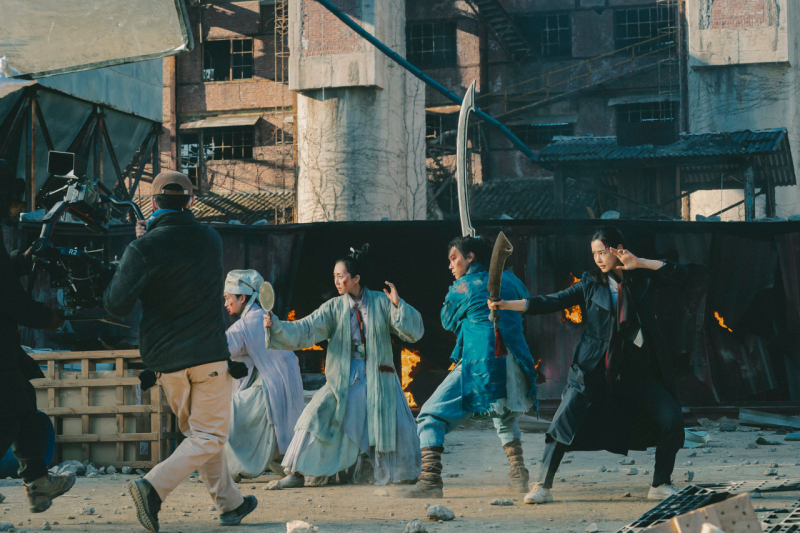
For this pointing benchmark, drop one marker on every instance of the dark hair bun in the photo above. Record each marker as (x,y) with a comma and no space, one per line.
(359,255)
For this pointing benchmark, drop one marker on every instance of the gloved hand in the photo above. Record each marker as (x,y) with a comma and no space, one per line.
(147,378)
(236,369)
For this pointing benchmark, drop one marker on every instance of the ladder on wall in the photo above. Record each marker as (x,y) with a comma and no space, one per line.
(502,26)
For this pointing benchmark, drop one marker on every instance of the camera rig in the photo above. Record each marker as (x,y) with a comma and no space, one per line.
(80,275)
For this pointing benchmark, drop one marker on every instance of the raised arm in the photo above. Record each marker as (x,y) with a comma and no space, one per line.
(303,333)
(406,322)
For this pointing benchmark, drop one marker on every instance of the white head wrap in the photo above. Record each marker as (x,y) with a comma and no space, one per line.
(246,282)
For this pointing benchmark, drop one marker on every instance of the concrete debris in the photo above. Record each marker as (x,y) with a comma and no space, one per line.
(626,461)
(771,472)
(615,470)
(86,511)
(687,463)
(502,501)
(92,475)
(6,526)
(646,473)
(274,485)
(692,454)
(651,451)
(212,508)
(749,417)
(141,472)
(592,528)
(299,526)
(727,428)
(415,526)
(626,495)
(733,514)
(632,471)
(126,470)
(76,467)
(688,476)
(111,470)
(601,469)
(440,512)
(46,527)
(752,446)
(792,436)
(381,492)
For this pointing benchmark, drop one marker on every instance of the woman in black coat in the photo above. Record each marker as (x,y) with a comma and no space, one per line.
(621,391)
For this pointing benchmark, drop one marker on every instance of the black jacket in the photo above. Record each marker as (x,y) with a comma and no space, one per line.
(17,308)
(582,382)
(176,271)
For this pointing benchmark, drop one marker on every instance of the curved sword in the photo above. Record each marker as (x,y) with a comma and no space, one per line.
(467,106)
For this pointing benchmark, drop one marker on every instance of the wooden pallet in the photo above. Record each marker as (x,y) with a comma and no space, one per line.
(104,417)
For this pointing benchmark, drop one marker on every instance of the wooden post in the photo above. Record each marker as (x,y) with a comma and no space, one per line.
(119,372)
(770,187)
(27,129)
(559,209)
(30,192)
(749,193)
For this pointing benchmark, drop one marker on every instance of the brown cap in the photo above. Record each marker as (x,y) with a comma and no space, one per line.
(169,177)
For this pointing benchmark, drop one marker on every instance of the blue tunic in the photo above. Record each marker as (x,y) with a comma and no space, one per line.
(465,312)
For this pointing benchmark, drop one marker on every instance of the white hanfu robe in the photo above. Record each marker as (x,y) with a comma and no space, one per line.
(263,414)
(362,407)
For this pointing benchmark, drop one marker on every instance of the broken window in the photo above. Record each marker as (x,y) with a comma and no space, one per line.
(431,44)
(273,135)
(636,25)
(226,144)
(436,124)
(646,112)
(266,17)
(541,134)
(190,155)
(556,35)
(228,60)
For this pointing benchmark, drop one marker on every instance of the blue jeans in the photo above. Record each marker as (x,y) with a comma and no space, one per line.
(443,413)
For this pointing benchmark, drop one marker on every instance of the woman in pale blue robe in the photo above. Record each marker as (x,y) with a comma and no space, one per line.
(362,407)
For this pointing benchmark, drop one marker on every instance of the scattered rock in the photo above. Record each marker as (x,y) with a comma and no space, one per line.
(141,472)
(415,526)
(626,495)
(688,476)
(92,475)
(6,526)
(632,471)
(126,470)
(692,454)
(450,474)
(212,508)
(488,468)
(298,526)
(111,470)
(274,485)
(627,461)
(727,427)
(646,473)
(76,467)
(46,527)
(752,446)
(651,451)
(687,463)
(501,502)
(381,492)
(592,528)
(771,472)
(601,469)
(615,470)
(440,512)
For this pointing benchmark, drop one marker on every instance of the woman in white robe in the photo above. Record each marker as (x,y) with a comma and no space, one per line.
(362,407)
(269,400)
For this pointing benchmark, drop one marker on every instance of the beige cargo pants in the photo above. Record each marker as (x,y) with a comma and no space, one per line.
(200,397)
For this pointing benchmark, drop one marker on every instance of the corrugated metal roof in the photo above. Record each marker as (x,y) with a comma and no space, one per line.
(769,150)
(244,207)
(526,198)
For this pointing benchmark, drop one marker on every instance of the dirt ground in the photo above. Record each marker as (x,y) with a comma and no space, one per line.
(584,495)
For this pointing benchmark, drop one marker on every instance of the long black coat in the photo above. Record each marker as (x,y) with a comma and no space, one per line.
(17,308)
(586,382)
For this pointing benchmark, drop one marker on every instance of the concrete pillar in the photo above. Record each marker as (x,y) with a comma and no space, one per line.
(360,117)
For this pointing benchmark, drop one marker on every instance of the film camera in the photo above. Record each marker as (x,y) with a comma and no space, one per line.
(81,275)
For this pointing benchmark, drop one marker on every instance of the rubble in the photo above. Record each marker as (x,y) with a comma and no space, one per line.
(87,511)
(76,467)
(727,428)
(626,461)
(501,501)
(749,417)
(381,492)
(771,472)
(111,470)
(632,471)
(126,470)
(592,528)
(440,512)
(415,526)
(299,526)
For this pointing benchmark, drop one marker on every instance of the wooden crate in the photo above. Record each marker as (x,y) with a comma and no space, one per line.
(103,416)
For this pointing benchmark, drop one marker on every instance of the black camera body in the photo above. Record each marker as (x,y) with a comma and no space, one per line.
(82,275)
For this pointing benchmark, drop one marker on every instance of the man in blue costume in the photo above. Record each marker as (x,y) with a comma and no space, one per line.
(492,378)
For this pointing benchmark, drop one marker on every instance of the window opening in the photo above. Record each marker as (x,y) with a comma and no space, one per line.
(541,134)
(190,156)
(635,25)
(556,35)
(266,17)
(228,60)
(431,44)
(646,112)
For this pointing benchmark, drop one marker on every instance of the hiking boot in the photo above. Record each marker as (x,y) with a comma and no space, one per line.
(429,484)
(232,518)
(42,491)
(662,492)
(517,473)
(538,494)
(148,503)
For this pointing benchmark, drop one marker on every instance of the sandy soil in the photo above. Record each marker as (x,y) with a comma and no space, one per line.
(583,494)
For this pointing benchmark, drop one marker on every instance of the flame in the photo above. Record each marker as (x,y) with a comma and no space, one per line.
(408,360)
(721,321)
(292,316)
(451,367)
(315,348)
(536,365)
(573,314)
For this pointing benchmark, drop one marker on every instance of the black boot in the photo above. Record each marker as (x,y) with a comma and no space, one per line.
(429,484)
(148,503)
(517,473)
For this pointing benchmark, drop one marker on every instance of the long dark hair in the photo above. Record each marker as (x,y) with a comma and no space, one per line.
(478,246)
(611,237)
(357,263)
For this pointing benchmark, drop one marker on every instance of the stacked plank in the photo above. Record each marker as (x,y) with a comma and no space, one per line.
(101,414)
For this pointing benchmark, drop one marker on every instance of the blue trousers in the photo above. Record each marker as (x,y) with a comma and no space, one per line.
(443,413)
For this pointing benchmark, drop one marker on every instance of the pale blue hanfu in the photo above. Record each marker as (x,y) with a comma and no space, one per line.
(362,407)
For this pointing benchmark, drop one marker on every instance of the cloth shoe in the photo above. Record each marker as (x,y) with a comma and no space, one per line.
(232,518)
(292,481)
(42,491)
(662,492)
(147,501)
(429,484)
(538,494)
(517,473)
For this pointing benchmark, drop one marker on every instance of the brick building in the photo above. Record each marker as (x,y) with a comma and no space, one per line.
(543,67)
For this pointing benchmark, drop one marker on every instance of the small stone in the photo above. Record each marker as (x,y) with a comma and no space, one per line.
(692,454)
(688,476)
(727,427)
(756,462)
(126,470)
(111,470)
(615,470)
(46,527)
(752,446)
(747,462)
(274,485)
(298,526)
(212,508)
(601,469)
(626,495)
(415,526)
(129,507)
(140,472)
(502,502)
(92,475)
(651,451)
(87,499)
(687,463)
(488,468)
(771,472)
(122,494)
(627,461)
(440,512)
(381,492)
(70,517)
(592,528)
(449,474)
(6,526)
(632,471)
(252,487)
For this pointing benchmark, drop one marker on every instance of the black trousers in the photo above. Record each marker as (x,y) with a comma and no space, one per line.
(23,432)
(649,404)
